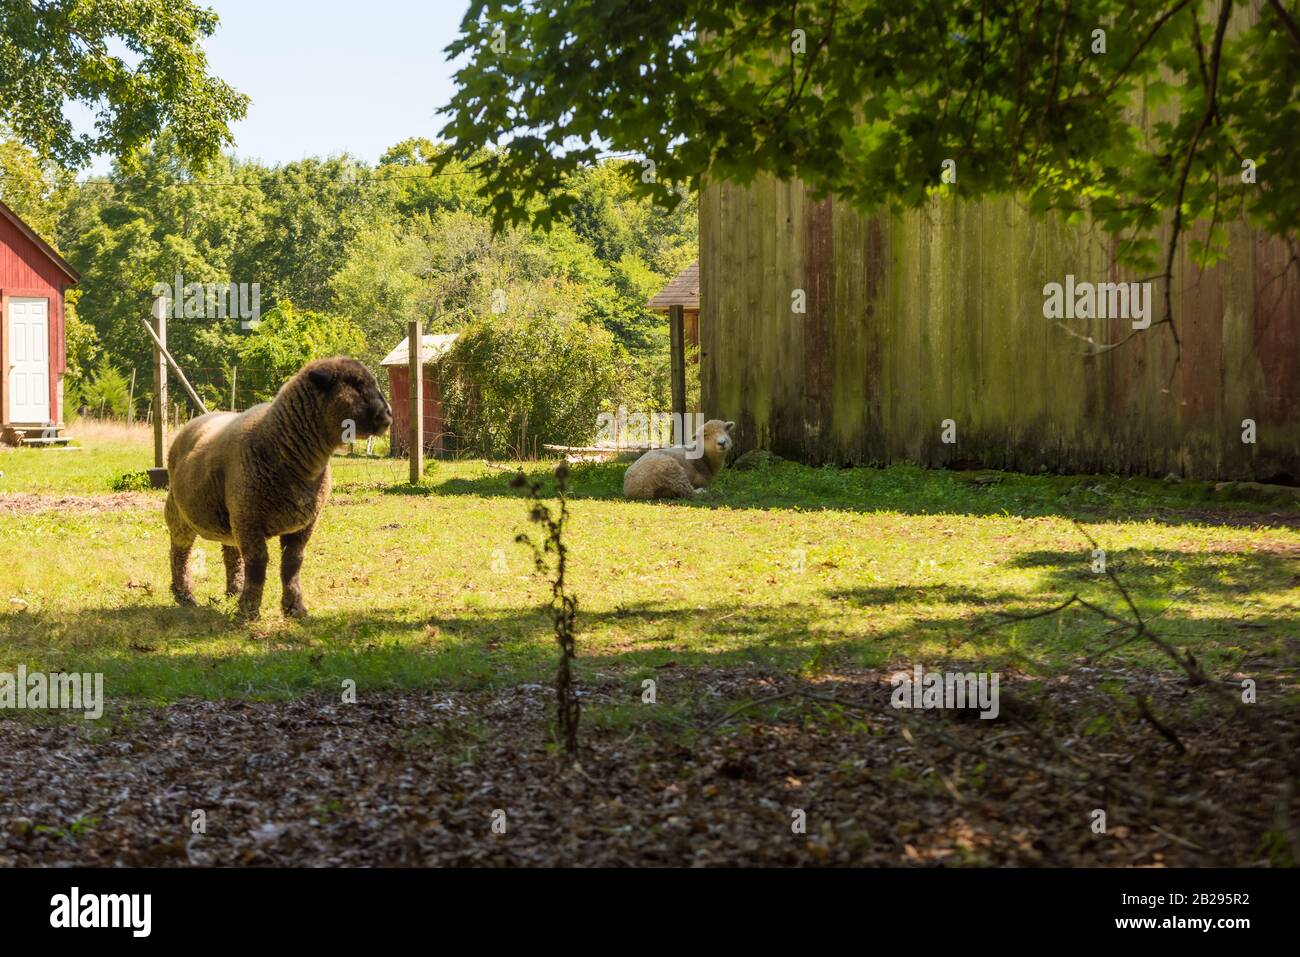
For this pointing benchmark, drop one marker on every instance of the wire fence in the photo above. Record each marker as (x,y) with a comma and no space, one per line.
(456,423)
(233,389)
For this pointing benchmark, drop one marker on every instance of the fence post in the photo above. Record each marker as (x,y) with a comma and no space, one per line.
(160,383)
(416,390)
(130,402)
(677,350)
(161,346)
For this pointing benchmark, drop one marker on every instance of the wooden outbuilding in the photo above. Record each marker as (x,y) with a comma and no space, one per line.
(33,279)
(397,363)
(680,299)
(683,291)
(834,335)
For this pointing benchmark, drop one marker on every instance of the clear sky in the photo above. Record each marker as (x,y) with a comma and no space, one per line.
(328,76)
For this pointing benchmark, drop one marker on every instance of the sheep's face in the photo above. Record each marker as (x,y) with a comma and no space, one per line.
(715,438)
(351,395)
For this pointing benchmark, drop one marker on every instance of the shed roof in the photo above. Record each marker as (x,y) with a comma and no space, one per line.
(431,348)
(40,244)
(683,291)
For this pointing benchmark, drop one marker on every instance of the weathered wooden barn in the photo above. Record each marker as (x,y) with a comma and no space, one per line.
(914,322)
(397,362)
(33,279)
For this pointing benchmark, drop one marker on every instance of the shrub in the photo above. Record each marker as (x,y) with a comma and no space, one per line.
(514,383)
(137,481)
(104,393)
(287,339)
(83,347)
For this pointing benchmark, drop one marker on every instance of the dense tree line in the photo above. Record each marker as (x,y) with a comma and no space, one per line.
(344,254)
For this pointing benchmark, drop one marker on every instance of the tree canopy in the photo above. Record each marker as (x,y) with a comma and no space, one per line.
(137,64)
(337,244)
(1124,110)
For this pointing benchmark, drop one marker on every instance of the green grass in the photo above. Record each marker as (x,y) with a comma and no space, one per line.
(79,470)
(787,567)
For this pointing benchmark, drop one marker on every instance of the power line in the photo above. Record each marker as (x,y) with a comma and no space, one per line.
(270,177)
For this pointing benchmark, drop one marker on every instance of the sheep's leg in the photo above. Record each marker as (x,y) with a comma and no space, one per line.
(254,552)
(234,570)
(292,549)
(181,589)
(182,538)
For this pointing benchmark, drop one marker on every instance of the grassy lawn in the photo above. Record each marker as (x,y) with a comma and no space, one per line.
(99,454)
(787,567)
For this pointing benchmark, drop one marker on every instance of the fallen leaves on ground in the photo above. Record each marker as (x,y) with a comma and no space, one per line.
(419,779)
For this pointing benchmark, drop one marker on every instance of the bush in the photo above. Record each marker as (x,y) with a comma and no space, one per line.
(83,348)
(106,393)
(512,384)
(286,340)
(72,401)
(137,481)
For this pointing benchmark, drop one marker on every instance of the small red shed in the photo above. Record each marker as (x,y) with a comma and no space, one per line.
(398,364)
(33,278)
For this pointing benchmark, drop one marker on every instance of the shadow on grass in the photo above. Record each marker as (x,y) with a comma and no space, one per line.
(907,490)
(877,596)
(1210,571)
(158,653)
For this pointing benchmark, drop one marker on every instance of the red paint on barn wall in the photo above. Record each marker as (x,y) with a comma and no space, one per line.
(399,378)
(29,267)
(1277,331)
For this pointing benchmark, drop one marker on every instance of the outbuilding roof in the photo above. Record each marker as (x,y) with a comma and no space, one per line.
(431,347)
(683,291)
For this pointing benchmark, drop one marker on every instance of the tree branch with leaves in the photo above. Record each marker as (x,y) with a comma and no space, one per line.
(57,52)
(1133,127)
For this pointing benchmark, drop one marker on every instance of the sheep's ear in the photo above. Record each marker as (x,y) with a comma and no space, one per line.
(730,426)
(322,377)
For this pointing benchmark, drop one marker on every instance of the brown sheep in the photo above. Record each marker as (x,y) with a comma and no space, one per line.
(242,478)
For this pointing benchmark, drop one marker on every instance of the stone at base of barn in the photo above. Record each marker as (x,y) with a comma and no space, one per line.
(1262,492)
(979,477)
(157,478)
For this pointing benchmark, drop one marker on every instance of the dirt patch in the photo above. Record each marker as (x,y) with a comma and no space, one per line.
(421,778)
(31,503)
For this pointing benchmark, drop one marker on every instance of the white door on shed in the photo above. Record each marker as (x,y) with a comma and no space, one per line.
(29,361)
